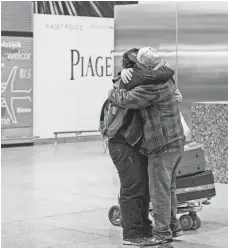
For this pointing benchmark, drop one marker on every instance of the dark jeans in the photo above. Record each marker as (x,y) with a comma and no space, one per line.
(134,191)
(162,171)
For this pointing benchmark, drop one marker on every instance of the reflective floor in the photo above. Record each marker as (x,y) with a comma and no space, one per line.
(60,197)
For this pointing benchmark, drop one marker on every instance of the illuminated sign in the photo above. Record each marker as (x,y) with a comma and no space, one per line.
(16,82)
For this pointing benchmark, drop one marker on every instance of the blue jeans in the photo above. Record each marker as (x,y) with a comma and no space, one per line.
(134,189)
(162,170)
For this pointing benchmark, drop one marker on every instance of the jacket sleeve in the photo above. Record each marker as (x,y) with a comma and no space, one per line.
(161,75)
(137,98)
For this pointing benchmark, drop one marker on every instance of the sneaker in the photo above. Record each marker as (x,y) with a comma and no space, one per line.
(133,241)
(138,242)
(147,239)
(159,241)
(177,233)
(148,236)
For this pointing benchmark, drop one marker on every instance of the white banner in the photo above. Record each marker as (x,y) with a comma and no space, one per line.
(72,72)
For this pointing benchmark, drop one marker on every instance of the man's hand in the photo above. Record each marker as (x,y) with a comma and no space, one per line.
(178,95)
(126,75)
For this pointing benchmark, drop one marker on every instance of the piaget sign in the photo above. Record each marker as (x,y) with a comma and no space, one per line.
(90,66)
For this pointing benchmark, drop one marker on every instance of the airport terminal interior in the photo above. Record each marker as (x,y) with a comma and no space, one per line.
(50,199)
(59,186)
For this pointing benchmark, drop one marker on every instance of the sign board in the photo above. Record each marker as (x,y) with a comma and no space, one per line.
(16,72)
(16,82)
(72,72)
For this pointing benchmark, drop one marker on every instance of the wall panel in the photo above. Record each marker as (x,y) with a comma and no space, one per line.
(146,25)
(202,53)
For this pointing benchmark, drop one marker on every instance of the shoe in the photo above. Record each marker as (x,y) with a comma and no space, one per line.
(159,241)
(148,234)
(147,238)
(138,242)
(133,241)
(177,233)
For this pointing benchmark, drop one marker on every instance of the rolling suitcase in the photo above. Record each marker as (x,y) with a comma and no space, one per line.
(196,186)
(193,160)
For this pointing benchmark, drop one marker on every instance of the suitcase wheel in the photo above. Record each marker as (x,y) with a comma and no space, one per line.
(114,215)
(186,222)
(196,221)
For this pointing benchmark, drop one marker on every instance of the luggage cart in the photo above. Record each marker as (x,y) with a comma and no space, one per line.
(195,188)
(188,211)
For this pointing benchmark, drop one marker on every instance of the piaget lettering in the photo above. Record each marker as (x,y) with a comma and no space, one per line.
(70,27)
(89,66)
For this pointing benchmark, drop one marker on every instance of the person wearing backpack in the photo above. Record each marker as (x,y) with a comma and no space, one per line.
(123,130)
